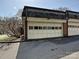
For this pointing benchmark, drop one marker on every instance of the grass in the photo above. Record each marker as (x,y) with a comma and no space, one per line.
(6,38)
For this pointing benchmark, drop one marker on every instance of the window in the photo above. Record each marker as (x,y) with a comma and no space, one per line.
(70,26)
(36,27)
(30,27)
(73,26)
(52,27)
(40,27)
(44,27)
(49,27)
(56,27)
(60,27)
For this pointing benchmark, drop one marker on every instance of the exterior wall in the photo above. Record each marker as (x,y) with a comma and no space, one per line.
(34,34)
(73,27)
(33,19)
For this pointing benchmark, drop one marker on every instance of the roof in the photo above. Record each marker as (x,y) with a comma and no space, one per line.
(41,12)
(29,11)
(73,14)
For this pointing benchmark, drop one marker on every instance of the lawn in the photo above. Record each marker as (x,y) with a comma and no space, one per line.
(6,38)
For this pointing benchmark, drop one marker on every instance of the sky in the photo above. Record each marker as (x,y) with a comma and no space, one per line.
(10,7)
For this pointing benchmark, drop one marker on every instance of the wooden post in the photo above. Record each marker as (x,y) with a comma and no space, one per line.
(65,29)
(24,19)
(25,27)
(65,25)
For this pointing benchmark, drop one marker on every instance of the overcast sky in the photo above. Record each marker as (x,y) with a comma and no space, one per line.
(10,7)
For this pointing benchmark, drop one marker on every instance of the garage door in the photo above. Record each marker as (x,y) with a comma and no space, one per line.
(44,30)
(73,29)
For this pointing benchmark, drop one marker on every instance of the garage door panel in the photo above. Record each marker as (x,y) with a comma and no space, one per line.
(44,33)
(73,29)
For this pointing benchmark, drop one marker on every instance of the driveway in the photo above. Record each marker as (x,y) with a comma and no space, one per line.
(49,49)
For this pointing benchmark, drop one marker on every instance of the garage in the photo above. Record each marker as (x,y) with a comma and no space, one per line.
(43,23)
(73,23)
(49,29)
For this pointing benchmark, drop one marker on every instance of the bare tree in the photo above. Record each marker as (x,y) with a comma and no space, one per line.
(11,26)
(63,8)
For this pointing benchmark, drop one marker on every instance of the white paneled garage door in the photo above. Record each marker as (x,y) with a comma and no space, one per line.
(73,29)
(44,30)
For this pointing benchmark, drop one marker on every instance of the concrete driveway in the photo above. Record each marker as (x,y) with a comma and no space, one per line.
(9,52)
(72,56)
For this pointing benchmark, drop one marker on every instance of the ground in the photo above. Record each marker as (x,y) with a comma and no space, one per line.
(44,49)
